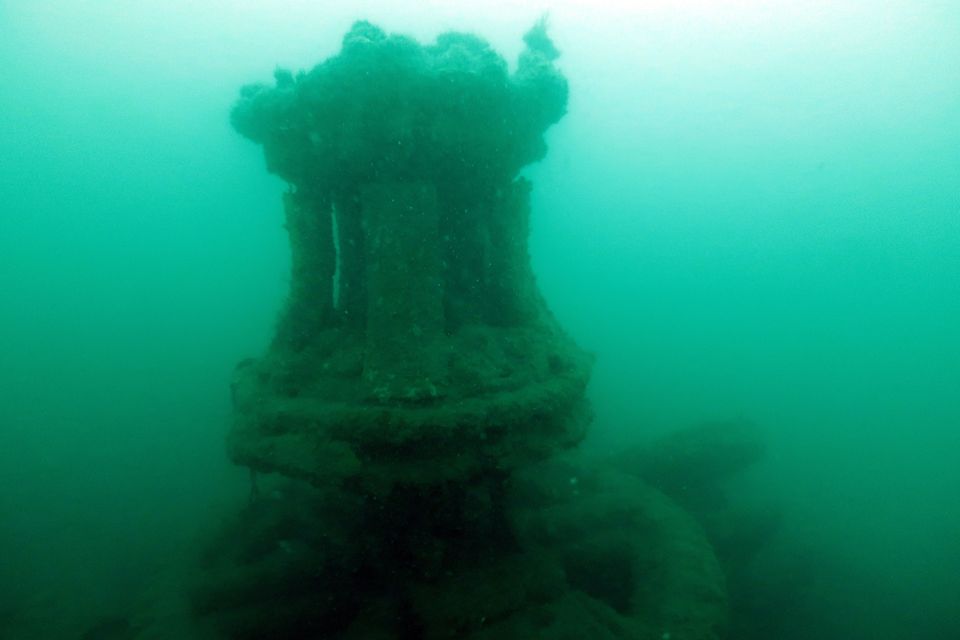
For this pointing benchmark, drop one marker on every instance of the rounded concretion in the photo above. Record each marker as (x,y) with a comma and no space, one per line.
(387,107)
(635,564)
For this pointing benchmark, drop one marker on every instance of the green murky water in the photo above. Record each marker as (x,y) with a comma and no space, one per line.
(751,210)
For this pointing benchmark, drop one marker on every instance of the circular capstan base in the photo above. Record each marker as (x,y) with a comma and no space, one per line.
(558,550)
(507,396)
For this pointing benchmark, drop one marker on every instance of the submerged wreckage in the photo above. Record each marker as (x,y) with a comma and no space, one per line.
(415,413)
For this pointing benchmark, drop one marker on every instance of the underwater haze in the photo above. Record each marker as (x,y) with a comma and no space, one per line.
(751,211)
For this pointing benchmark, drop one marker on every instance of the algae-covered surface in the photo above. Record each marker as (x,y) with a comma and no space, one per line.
(424,413)
(443,362)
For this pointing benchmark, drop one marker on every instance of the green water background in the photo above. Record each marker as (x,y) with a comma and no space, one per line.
(751,209)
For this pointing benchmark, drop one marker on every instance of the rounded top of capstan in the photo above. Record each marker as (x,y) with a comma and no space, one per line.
(388,108)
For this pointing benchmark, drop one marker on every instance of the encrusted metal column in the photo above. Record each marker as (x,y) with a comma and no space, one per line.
(405,321)
(414,346)
(410,407)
